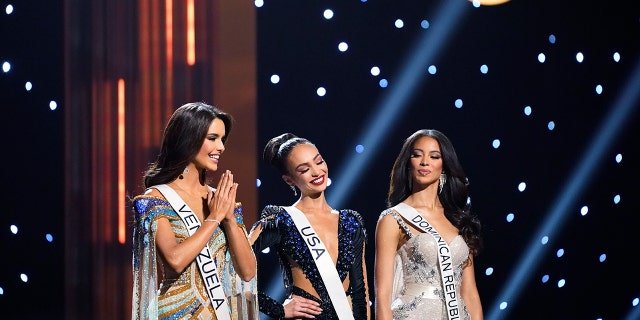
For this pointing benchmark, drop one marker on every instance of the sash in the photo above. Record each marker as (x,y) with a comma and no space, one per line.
(324,264)
(444,256)
(206,262)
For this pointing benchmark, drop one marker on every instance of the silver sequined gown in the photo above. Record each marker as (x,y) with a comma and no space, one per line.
(417,291)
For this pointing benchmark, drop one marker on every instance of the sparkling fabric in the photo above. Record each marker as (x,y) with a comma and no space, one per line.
(280,233)
(155,297)
(418,292)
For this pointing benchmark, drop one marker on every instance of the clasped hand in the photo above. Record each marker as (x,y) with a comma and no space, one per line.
(223,200)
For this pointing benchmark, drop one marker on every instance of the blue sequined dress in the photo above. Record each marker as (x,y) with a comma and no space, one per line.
(186,296)
(281,235)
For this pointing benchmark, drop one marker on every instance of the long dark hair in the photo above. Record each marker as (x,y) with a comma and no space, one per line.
(182,139)
(454,196)
(278,148)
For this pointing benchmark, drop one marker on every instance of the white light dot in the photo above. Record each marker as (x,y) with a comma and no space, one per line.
(616,199)
(28,86)
(496,143)
(584,210)
(489,271)
(328,14)
(561,283)
(258,3)
(476,3)
(579,57)
(383,83)
(616,57)
(53,105)
(258,183)
(424,24)
(599,89)
(8,9)
(6,66)
(527,110)
(551,125)
(432,69)
(24,277)
(541,57)
(484,68)
(458,103)
(560,253)
(618,158)
(635,302)
(399,23)
(522,186)
(544,240)
(510,217)
(359,148)
(275,78)
(321,91)
(375,71)
(329,182)
(1,291)
(14,229)
(343,46)
(503,305)
(266,250)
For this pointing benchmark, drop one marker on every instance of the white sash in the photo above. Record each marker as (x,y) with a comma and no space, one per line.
(206,262)
(444,256)
(324,263)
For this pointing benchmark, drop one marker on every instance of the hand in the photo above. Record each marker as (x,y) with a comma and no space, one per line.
(299,307)
(223,200)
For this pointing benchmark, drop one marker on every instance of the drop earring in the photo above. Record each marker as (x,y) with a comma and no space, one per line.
(442,181)
(295,193)
(185,171)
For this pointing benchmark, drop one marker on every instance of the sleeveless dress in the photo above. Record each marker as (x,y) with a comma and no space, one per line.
(280,233)
(184,297)
(417,285)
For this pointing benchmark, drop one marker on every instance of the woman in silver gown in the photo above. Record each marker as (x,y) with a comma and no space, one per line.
(427,237)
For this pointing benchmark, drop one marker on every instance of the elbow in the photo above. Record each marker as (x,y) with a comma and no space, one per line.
(247,276)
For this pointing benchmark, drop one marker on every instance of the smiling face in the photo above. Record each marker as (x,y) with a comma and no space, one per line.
(307,169)
(425,162)
(212,147)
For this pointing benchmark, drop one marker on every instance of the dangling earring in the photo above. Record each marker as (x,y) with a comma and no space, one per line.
(295,193)
(185,171)
(442,181)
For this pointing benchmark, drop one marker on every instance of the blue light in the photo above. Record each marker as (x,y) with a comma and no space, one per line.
(602,257)
(496,143)
(258,183)
(510,217)
(552,39)
(551,125)
(527,110)
(458,103)
(484,68)
(383,83)
(359,148)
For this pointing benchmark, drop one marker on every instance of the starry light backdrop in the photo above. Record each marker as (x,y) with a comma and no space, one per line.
(540,99)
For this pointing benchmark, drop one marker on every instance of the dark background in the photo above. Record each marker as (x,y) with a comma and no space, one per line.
(298,44)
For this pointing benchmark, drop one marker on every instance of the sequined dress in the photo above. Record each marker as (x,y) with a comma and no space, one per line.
(281,235)
(417,285)
(185,297)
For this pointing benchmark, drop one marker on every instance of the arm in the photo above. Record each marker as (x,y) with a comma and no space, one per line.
(387,239)
(179,255)
(358,278)
(265,234)
(469,291)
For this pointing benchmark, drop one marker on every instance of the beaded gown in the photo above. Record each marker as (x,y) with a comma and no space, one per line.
(185,297)
(280,233)
(417,284)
